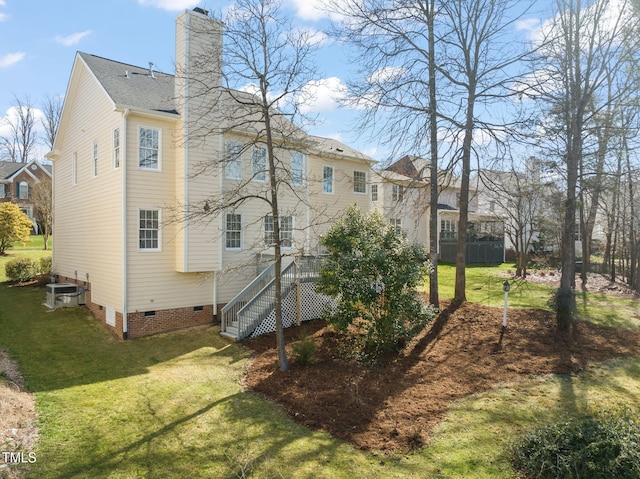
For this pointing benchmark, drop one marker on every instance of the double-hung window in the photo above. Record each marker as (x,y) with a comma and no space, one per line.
(327,179)
(23,190)
(374,192)
(233,160)
(259,164)
(396,224)
(286,231)
(149,149)
(297,168)
(397,192)
(359,182)
(149,230)
(116,148)
(233,232)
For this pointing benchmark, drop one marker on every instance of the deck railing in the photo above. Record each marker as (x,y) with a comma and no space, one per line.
(244,313)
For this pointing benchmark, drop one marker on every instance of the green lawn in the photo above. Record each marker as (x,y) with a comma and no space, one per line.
(171,406)
(33,248)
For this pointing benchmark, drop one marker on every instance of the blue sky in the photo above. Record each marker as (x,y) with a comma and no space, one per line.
(39,39)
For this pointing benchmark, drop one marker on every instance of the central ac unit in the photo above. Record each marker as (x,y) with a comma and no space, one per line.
(64,295)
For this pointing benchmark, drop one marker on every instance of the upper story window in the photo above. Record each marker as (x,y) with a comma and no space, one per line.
(233,160)
(94,164)
(23,190)
(3,190)
(297,168)
(397,192)
(374,192)
(116,148)
(149,230)
(492,206)
(286,231)
(259,163)
(233,231)
(396,224)
(74,169)
(359,182)
(327,179)
(149,149)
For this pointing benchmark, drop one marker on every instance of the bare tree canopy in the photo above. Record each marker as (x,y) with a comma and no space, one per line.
(51,110)
(254,103)
(19,144)
(431,76)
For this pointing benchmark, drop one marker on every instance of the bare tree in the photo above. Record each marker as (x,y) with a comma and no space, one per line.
(255,101)
(395,42)
(42,199)
(51,110)
(583,44)
(20,143)
(517,200)
(426,66)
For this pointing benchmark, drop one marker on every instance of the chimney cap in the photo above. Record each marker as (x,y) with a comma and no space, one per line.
(201,10)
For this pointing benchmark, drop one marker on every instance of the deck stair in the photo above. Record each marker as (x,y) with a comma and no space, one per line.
(255,304)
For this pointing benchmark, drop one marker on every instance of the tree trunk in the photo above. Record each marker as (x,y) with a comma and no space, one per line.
(433,179)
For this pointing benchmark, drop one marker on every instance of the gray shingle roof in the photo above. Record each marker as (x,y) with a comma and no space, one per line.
(8,168)
(132,86)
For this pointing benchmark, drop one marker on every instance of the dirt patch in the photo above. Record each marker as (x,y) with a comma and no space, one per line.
(394,407)
(18,429)
(596,283)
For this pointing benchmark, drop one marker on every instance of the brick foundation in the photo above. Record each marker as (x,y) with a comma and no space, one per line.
(141,324)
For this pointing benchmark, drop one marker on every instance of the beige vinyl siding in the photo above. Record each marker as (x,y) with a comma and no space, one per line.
(87,224)
(152,280)
(327,207)
(197,250)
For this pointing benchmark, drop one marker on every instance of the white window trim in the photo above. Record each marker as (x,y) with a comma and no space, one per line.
(354,182)
(116,149)
(254,171)
(293,229)
(3,190)
(302,170)
(240,248)
(333,180)
(374,192)
(159,130)
(20,185)
(239,159)
(159,248)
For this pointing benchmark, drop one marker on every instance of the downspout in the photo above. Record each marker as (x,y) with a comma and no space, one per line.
(123,209)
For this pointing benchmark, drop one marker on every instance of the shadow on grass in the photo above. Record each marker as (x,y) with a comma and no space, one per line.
(68,347)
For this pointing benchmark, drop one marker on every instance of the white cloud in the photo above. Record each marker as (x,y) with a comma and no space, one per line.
(314,10)
(322,96)
(11,59)
(528,25)
(312,36)
(3,17)
(72,39)
(3,3)
(170,5)
(386,74)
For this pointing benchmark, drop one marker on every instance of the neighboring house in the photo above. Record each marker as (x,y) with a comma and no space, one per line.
(402,193)
(17,181)
(124,163)
(522,201)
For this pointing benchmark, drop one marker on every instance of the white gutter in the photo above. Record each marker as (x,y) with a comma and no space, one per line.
(123,208)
